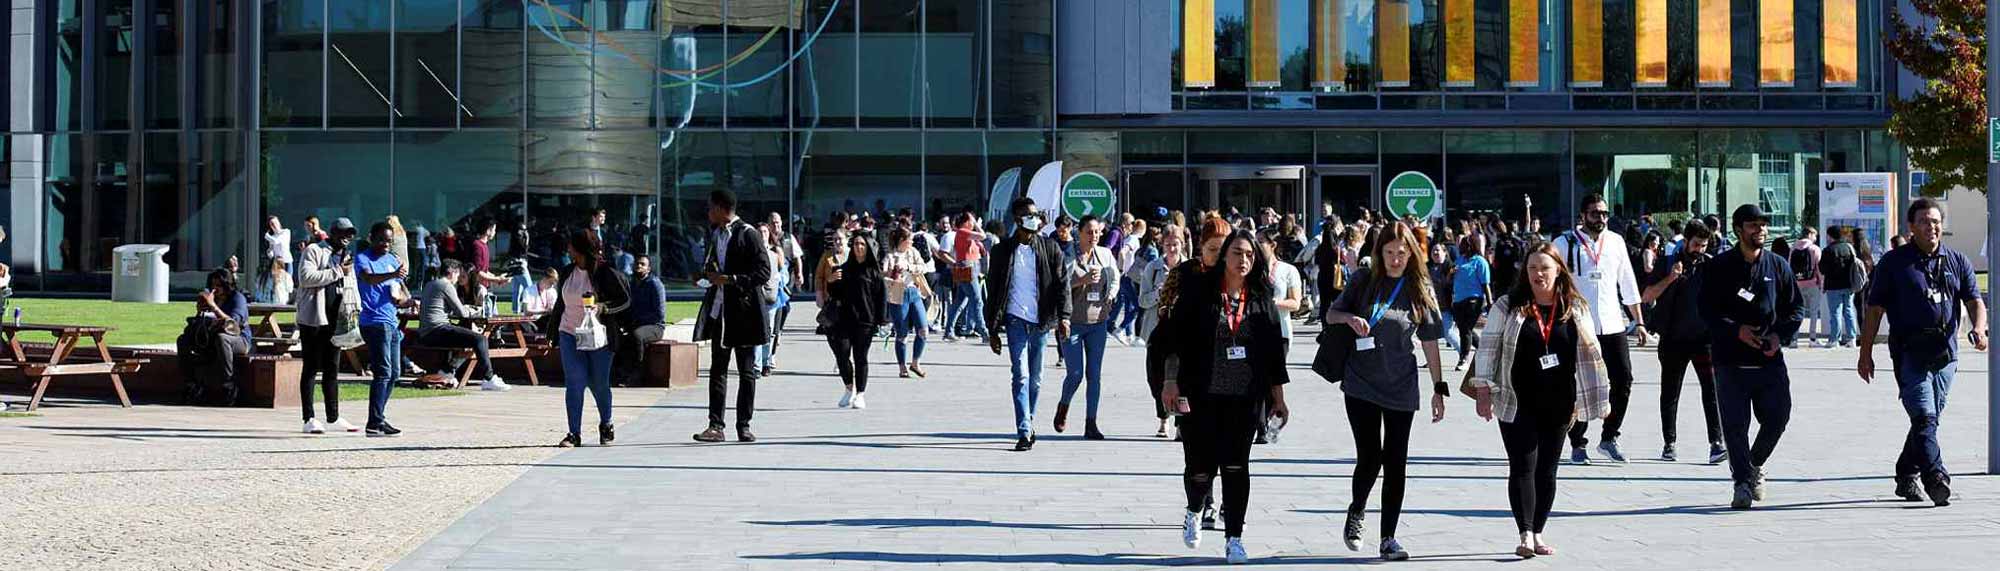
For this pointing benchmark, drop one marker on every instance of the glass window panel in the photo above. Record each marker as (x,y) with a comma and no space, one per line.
(163,191)
(1773,168)
(1346,147)
(1638,172)
(1278,42)
(1238,147)
(67,109)
(427,63)
(825,72)
(1151,147)
(358,65)
(953,62)
(1356,22)
(113,64)
(221,198)
(573,174)
(874,172)
(890,68)
(1329,37)
(457,179)
(560,73)
(758,33)
(1618,39)
(1744,45)
(954,174)
(1420,151)
(217,80)
(693,67)
(625,60)
(493,66)
(294,63)
(1683,63)
(163,70)
(1006,150)
(1023,54)
(325,174)
(694,164)
(1491,170)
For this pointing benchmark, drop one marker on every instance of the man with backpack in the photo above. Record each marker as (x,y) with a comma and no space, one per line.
(1805,270)
(1684,339)
(1841,277)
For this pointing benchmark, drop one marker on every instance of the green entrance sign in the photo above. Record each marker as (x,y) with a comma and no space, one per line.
(1413,194)
(1086,193)
(1993,140)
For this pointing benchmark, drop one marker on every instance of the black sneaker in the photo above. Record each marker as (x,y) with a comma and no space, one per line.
(383,430)
(1939,489)
(1717,454)
(1906,488)
(1352,532)
(570,441)
(1668,455)
(605,435)
(1208,517)
(1024,444)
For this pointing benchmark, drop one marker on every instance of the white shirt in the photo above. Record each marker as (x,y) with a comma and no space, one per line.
(719,249)
(1284,281)
(1023,297)
(1607,282)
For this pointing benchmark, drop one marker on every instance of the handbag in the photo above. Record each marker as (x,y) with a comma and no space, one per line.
(1336,344)
(347,323)
(590,334)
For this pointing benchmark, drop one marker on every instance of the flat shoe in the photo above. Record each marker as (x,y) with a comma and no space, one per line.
(1524,552)
(1544,550)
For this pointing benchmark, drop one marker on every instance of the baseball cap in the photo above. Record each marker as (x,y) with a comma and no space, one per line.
(1748,212)
(343,224)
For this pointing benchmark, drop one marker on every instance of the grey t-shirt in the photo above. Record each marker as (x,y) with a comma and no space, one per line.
(1386,376)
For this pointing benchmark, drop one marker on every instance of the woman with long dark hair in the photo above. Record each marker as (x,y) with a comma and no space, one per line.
(858,299)
(1545,372)
(1472,290)
(1388,310)
(908,288)
(589,285)
(1227,368)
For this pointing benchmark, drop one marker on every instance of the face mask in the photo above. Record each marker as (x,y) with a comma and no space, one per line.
(1031,223)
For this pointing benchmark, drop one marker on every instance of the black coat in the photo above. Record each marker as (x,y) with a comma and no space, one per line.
(1049,274)
(1194,320)
(749,270)
(612,297)
(859,299)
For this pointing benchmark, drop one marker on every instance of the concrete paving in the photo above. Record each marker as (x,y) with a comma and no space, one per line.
(925,477)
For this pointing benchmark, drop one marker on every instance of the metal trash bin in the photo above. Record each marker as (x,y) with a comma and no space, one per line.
(141,273)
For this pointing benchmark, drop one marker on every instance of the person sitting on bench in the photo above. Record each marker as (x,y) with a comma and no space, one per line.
(434,328)
(215,338)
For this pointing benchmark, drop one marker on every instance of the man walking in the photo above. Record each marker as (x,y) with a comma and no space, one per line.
(1750,302)
(1606,279)
(381,291)
(1028,295)
(1920,287)
(1805,268)
(732,313)
(1684,340)
(968,252)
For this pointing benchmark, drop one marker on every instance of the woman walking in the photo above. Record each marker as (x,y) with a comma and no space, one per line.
(1151,283)
(1387,309)
(908,288)
(1546,372)
(1230,370)
(1471,290)
(1193,275)
(1093,289)
(589,286)
(857,305)
(781,285)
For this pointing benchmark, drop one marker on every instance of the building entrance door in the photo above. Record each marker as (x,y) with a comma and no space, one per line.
(1248,189)
(1348,189)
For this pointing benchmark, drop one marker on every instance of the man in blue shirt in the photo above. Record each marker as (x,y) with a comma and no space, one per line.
(380,275)
(1920,286)
(1749,301)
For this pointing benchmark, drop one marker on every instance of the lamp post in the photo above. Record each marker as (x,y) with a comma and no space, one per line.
(1992,242)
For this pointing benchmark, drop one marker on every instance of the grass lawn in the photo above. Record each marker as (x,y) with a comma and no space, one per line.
(18,414)
(150,323)
(359,391)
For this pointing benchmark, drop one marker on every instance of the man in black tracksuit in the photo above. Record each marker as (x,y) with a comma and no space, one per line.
(1749,301)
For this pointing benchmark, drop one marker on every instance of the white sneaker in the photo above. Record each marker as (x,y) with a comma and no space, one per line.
(494,384)
(847,398)
(1233,552)
(860,401)
(1191,530)
(342,425)
(314,426)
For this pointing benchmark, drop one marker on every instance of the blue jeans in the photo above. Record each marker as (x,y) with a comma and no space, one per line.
(909,317)
(968,309)
(582,369)
(385,362)
(1024,353)
(1840,311)
(1923,393)
(1125,315)
(1764,392)
(1083,351)
(769,349)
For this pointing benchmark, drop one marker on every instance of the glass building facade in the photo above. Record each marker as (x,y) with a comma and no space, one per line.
(188,122)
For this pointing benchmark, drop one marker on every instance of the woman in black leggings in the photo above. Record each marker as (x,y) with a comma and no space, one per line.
(1545,371)
(1224,367)
(1389,309)
(1470,296)
(858,299)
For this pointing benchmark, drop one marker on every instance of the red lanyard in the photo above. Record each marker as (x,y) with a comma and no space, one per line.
(1589,247)
(1547,325)
(1233,311)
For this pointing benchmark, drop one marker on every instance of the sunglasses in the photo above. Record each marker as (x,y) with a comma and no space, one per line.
(1597,213)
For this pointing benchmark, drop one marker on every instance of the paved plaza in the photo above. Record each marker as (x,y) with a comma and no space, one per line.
(925,477)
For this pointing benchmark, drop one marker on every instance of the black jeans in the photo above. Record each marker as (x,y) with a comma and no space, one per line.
(1534,448)
(221,368)
(850,355)
(1465,315)
(321,365)
(1618,362)
(1675,358)
(455,337)
(1763,392)
(1381,444)
(718,383)
(1215,437)
(1156,373)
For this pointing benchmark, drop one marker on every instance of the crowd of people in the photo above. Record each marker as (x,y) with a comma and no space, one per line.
(1543,324)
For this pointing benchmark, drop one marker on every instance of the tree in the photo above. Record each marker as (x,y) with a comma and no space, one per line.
(1944,127)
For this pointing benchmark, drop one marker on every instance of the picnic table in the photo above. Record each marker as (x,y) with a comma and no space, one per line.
(508,339)
(266,330)
(42,372)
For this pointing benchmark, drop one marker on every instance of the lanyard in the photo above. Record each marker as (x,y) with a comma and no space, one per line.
(1383,305)
(1233,310)
(1589,247)
(1547,326)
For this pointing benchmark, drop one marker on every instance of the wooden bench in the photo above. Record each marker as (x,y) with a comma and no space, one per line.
(42,372)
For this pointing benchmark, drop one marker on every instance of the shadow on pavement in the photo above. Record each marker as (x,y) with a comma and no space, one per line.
(907,523)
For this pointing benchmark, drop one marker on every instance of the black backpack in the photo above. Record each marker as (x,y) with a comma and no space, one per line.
(1802,266)
(1840,267)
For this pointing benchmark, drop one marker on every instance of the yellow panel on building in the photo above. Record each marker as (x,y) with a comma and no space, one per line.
(1392,25)
(1524,43)
(1651,44)
(1775,40)
(1263,43)
(1838,44)
(1586,20)
(1329,65)
(1198,44)
(1712,42)
(1458,43)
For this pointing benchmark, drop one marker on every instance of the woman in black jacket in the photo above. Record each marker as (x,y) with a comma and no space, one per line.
(589,285)
(859,302)
(1221,373)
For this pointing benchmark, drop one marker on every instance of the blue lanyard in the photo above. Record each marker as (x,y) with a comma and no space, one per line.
(1383,305)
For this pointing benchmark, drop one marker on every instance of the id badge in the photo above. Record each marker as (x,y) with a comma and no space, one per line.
(1364,343)
(1238,353)
(1596,275)
(1094,296)
(1936,296)
(1549,362)
(1746,295)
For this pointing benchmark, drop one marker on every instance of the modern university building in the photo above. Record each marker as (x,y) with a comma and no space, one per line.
(187,122)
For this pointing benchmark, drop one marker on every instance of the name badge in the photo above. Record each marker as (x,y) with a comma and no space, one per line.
(1364,343)
(1238,353)
(1596,275)
(1549,362)
(1094,296)
(1936,296)
(1746,295)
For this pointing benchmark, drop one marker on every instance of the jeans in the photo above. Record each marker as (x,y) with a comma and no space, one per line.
(1814,299)
(1024,354)
(769,350)
(1840,311)
(1923,394)
(585,369)
(385,362)
(1215,437)
(318,356)
(1617,362)
(1764,392)
(1125,314)
(968,309)
(908,317)
(1084,351)
(1381,444)
(1675,359)
(455,337)
(718,383)
(524,288)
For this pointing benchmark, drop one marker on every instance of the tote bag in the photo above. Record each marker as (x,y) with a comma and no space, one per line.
(590,335)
